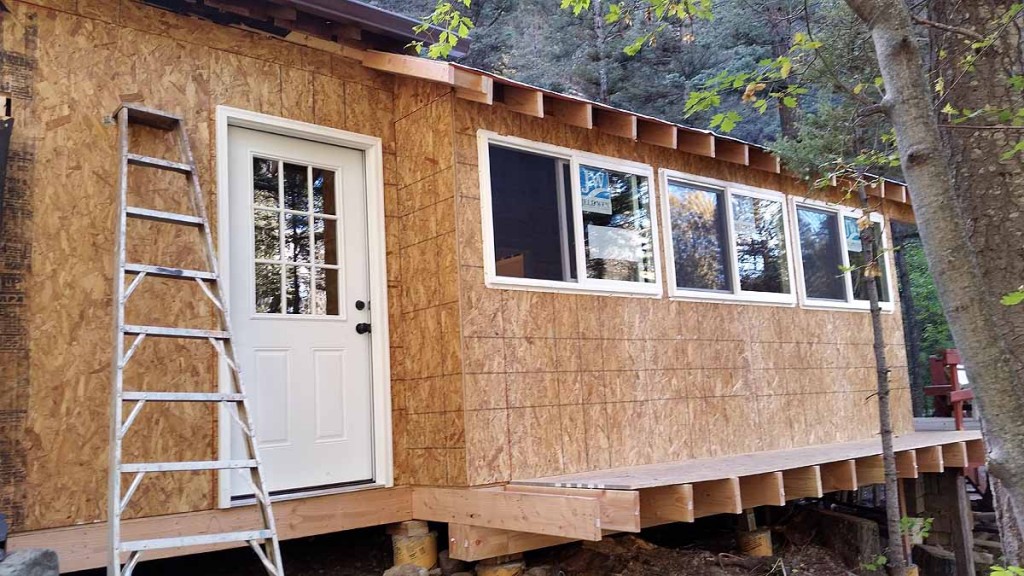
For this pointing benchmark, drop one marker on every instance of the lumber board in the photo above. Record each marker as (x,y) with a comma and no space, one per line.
(762,490)
(620,509)
(803,483)
(906,464)
(523,100)
(717,497)
(615,123)
(472,543)
(976,453)
(85,547)
(572,112)
(411,66)
(657,133)
(764,160)
(474,87)
(929,459)
(666,504)
(836,476)
(694,142)
(732,151)
(955,455)
(870,470)
(554,515)
(704,469)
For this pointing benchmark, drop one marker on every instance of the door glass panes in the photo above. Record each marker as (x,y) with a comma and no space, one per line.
(761,258)
(858,261)
(531,206)
(617,225)
(821,253)
(295,239)
(699,237)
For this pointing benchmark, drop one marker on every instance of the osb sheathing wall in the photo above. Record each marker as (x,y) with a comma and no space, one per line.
(427,388)
(560,383)
(70,62)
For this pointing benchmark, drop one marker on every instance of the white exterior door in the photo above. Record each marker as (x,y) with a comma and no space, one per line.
(299,290)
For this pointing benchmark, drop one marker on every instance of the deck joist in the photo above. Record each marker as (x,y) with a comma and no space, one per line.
(539,512)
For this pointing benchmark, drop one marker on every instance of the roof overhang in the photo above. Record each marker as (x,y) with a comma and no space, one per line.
(335,20)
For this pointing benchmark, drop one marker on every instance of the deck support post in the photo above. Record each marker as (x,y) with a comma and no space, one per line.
(952,497)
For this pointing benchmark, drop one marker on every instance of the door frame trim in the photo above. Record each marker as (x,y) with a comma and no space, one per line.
(380,369)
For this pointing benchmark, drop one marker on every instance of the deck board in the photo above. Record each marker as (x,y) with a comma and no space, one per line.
(707,469)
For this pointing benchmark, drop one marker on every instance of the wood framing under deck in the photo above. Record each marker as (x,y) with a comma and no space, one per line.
(542,512)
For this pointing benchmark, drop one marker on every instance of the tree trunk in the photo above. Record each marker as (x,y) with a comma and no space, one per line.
(897,557)
(782,37)
(959,244)
(600,39)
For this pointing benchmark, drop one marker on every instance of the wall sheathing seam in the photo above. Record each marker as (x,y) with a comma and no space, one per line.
(18,63)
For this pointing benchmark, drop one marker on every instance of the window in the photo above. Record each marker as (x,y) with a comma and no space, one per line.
(726,241)
(556,218)
(833,259)
(295,238)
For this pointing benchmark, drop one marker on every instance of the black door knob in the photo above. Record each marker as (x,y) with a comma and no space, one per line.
(362,328)
(360,305)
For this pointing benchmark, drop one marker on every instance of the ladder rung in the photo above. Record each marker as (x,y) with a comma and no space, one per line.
(169,332)
(187,466)
(185,541)
(138,114)
(168,272)
(159,163)
(181,397)
(161,216)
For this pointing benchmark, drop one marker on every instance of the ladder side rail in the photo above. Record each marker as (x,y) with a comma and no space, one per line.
(272,545)
(117,368)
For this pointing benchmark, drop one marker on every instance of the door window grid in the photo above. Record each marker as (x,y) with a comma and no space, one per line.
(296,235)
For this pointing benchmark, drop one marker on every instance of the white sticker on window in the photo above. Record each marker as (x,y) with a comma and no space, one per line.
(595,195)
(608,243)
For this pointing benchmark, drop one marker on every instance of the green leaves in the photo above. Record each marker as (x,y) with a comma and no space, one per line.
(454,27)
(726,121)
(1013,299)
(1017,149)
(1006,571)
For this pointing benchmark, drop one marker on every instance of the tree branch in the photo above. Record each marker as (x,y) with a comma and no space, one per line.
(882,107)
(948,28)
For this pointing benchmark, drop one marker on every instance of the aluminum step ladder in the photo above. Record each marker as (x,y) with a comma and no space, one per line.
(262,539)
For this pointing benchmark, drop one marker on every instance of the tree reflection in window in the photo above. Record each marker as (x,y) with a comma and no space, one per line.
(821,253)
(858,261)
(617,225)
(761,258)
(697,220)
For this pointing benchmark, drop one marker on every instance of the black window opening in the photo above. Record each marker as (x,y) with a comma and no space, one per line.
(532,215)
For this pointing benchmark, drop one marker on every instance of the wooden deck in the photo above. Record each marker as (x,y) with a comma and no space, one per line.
(707,469)
(533,513)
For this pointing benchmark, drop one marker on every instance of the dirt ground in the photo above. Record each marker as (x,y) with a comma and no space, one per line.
(696,550)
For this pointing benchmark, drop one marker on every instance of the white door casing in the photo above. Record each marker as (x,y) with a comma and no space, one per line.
(302,242)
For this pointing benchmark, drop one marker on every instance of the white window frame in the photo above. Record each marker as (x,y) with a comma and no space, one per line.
(583,284)
(728,190)
(842,212)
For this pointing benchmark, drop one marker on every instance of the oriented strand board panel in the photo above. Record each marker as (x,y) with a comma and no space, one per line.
(710,469)
(560,383)
(186,66)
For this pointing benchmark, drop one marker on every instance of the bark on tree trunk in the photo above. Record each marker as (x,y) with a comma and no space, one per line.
(897,557)
(782,38)
(600,38)
(959,244)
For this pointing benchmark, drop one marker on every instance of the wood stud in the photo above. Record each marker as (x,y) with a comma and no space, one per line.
(762,490)
(870,470)
(906,464)
(929,459)
(955,455)
(666,504)
(717,497)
